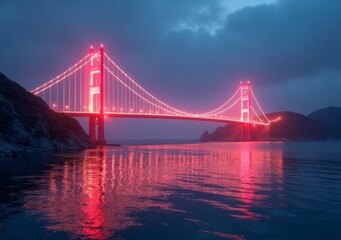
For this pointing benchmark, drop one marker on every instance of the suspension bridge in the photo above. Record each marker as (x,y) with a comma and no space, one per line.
(96,87)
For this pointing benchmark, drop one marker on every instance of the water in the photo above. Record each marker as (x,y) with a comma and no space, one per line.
(175,191)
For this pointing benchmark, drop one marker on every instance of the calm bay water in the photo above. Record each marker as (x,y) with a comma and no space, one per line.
(176,191)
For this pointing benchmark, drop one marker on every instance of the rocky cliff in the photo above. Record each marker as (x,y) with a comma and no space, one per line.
(319,125)
(28,124)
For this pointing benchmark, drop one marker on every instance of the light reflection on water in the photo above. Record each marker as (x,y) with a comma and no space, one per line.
(94,194)
(189,191)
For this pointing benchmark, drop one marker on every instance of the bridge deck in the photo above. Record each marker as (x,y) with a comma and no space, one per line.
(162,116)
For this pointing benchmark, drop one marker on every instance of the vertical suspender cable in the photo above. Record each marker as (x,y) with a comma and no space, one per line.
(50,97)
(80,90)
(69,79)
(57,96)
(63,93)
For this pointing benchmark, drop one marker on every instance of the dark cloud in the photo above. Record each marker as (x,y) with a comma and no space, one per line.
(190,53)
(288,39)
(270,43)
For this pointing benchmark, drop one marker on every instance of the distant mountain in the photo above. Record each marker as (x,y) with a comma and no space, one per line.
(330,117)
(28,124)
(319,125)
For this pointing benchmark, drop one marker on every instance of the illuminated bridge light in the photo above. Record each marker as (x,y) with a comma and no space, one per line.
(124,92)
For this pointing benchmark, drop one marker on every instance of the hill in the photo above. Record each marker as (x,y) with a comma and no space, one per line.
(28,124)
(319,125)
(330,117)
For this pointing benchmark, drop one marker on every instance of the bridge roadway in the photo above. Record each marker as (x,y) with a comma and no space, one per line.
(161,116)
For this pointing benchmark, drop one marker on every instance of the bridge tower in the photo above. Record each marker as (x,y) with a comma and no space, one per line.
(245,109)
(245,113)
(96,96)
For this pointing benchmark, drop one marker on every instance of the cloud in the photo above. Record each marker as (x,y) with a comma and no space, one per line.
(268,44)
(287,39)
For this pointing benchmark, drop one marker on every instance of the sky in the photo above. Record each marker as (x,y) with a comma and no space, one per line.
(191,54)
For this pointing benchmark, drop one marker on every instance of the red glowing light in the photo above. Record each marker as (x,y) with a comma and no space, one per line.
(134,99)
(276,120)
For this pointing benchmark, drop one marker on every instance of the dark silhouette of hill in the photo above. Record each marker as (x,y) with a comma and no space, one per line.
(330,117)
(319,125)
(28,124)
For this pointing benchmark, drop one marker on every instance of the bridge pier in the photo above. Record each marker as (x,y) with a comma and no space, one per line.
(100,126)
(245,132)
(92,128)
(96,130)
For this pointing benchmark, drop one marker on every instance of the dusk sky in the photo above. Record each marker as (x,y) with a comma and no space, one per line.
(192,54)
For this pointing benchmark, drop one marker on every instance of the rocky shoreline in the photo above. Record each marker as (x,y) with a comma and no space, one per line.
(322,124)
(28,124)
